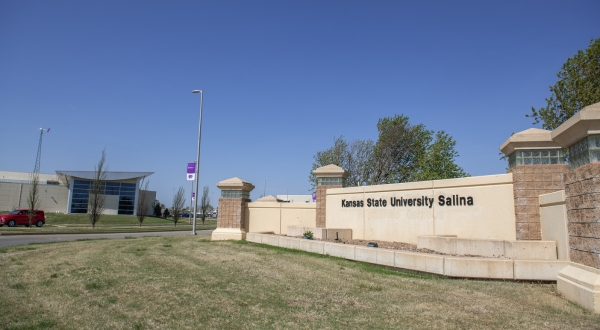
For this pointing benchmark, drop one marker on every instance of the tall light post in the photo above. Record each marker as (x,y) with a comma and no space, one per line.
(265,191)
(196,91)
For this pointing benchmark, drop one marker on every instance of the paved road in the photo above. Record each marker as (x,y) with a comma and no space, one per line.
(9,240)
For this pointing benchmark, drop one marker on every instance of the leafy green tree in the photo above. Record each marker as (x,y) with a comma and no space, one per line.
(438,162)
(578,86)
(403,153)
(157,208)
(398,150)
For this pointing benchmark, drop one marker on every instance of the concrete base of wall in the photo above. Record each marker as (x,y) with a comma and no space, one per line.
(222,234)
(580,284)
(534,250)
(469,267)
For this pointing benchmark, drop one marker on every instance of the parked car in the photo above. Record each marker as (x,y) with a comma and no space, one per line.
(20,217)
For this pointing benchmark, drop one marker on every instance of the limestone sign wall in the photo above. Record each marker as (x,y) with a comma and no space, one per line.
(477,207)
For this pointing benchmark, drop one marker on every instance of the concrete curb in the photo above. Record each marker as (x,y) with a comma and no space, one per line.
(451,266)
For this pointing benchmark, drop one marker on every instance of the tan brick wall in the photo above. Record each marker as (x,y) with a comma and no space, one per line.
(321,205)
(530,181)
(582,192)
(232,212)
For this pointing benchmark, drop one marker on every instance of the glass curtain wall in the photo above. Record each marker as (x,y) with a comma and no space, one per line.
(585,151)
(536,157)
(125,191)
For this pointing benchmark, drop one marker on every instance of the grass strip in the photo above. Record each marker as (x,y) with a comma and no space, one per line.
(192,282)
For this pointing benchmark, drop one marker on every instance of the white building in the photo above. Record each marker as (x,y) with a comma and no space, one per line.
(67,191)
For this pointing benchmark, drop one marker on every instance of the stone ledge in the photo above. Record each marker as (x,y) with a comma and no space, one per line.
(365,254)
(254,237)
(580,284)
(422,262)
(312,246)
(478,268)
(345,251)
(544,250)
(555,198)
(538,270)
(440,243)
(467,267)
(222,234)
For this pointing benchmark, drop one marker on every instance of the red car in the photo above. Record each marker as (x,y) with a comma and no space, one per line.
(21,217)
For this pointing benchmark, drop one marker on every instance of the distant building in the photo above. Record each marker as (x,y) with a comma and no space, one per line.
(296,198)
(67,191)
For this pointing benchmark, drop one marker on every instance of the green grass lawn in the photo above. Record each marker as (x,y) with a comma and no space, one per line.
(191,282)
(80,223)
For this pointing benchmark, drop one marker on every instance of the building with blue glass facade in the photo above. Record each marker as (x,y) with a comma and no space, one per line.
(121,191)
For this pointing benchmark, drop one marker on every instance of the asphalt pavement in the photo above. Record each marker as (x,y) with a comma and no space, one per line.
(9,240)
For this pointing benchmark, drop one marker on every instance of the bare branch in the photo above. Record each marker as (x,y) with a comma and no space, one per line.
(204,203)
(97,198)
(142,204)
(178,204)
(33,198)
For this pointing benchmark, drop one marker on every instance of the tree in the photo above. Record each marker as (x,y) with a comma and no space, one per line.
(399,148)
(33,198)
(178,204)
(352,156)
(578,86)
(96,197)
(142,204)
(157,208)
(204,203)
(403,153)
(438,162)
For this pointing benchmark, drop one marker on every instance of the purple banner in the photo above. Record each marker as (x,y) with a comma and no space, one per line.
(191,171)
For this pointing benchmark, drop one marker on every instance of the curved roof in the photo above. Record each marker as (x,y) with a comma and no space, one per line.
(110,176)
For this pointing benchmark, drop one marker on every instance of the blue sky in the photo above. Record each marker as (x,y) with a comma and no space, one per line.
(281,79)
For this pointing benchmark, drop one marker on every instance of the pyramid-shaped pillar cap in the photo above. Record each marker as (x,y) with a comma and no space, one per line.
(330,171)
(269,199)
(584,123)
(533,138)
(235,184)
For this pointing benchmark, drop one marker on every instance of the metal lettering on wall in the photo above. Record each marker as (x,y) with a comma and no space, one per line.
(454,200)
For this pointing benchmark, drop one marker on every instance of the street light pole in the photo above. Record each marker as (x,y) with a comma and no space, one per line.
(196,91)
(265,192)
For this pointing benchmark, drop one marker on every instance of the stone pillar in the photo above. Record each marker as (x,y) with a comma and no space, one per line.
(583,214)
(581,135)
(231,220)
(330,176)
(528,183)
(537,164)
